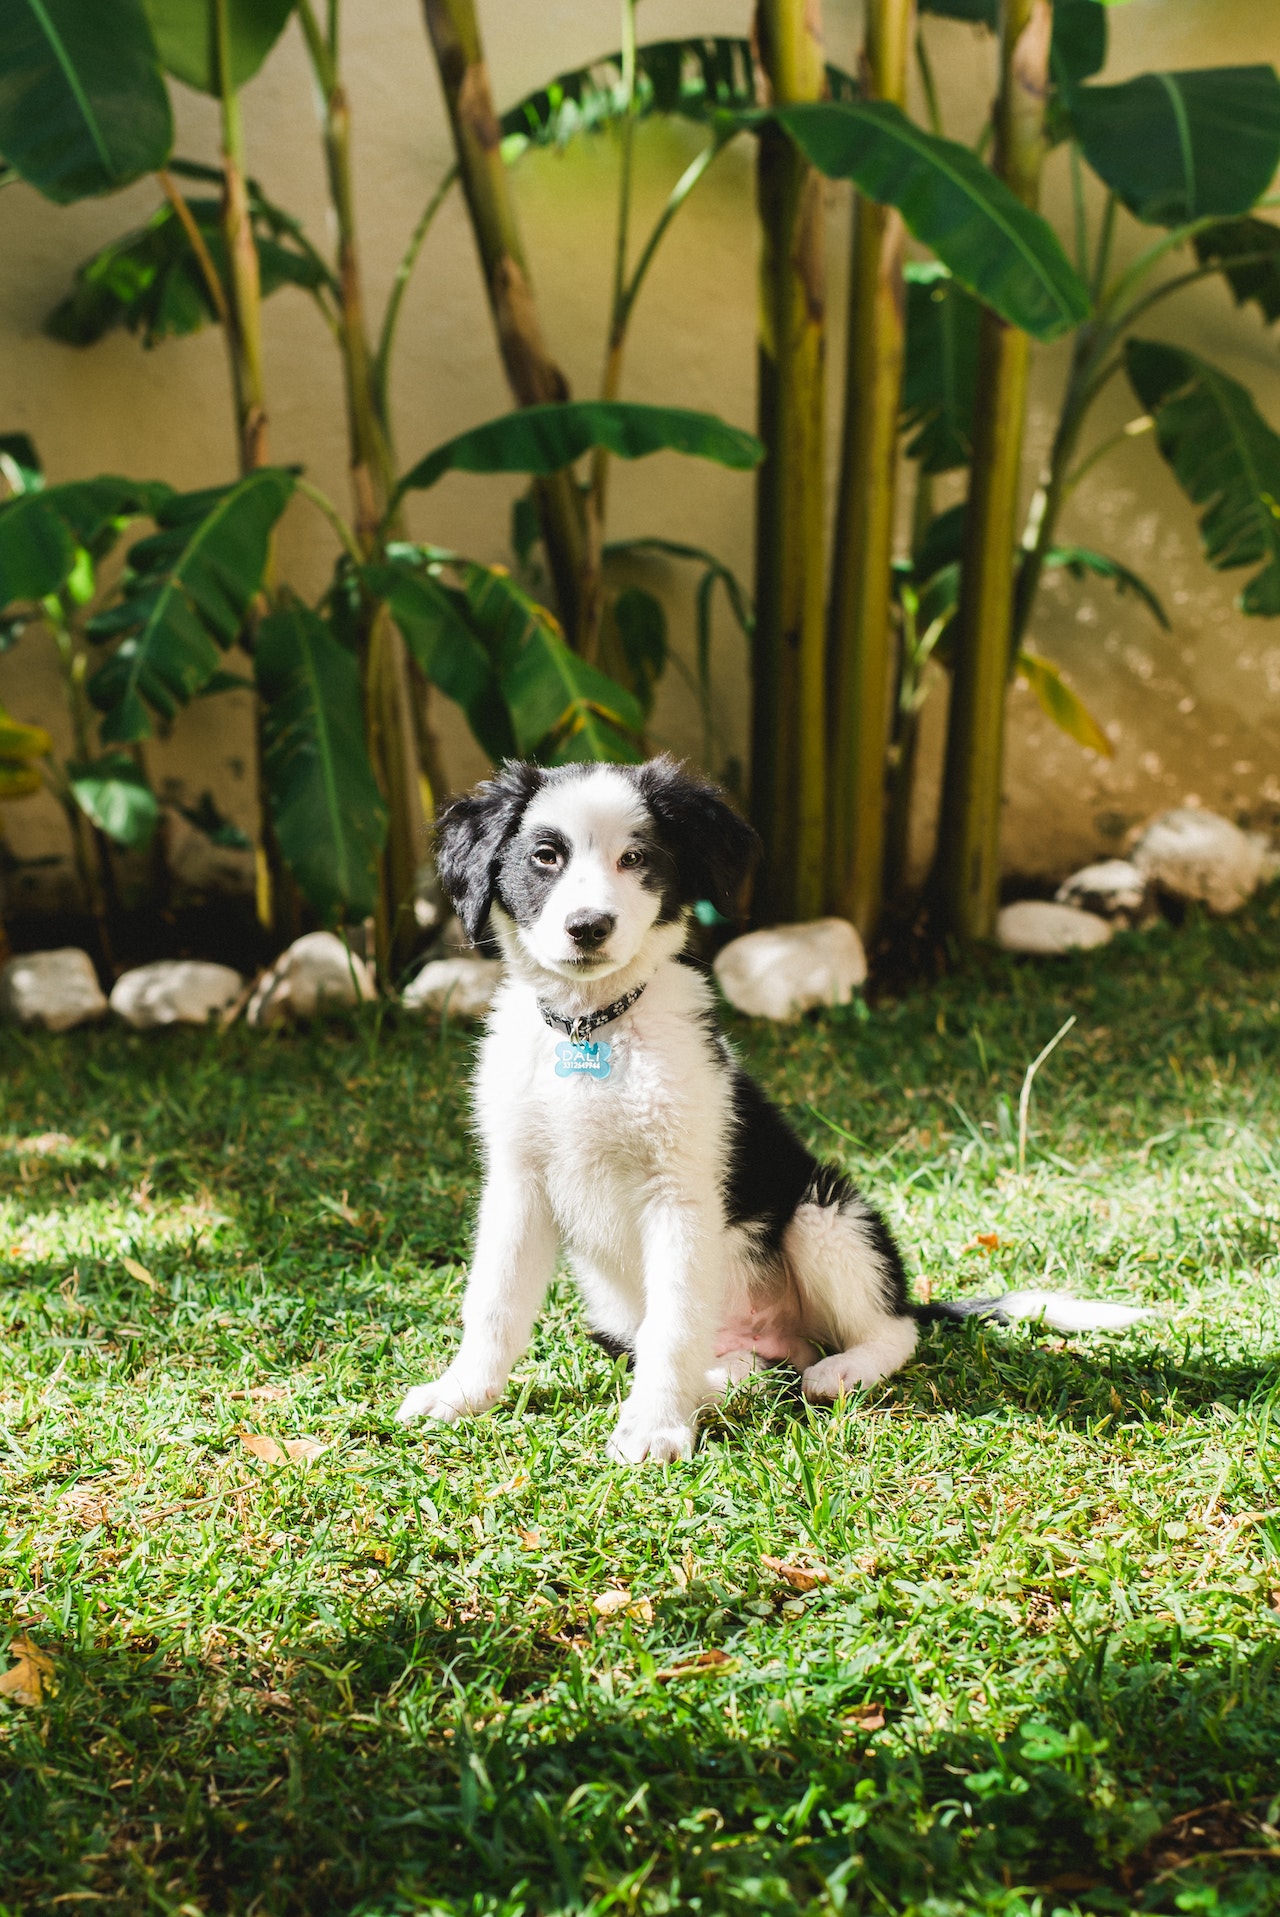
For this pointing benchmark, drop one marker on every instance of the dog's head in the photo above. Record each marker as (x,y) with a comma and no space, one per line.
(578,864)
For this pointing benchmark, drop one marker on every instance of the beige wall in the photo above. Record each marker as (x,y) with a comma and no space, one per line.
(1194,711)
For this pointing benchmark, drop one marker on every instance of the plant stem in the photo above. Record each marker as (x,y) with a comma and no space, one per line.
(788,718)
(244,323)
(861,636)
(404,272)
(968,870)
(195,239)
(388,693)
(533,375)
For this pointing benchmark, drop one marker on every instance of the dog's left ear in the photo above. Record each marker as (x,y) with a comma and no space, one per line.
(471,835)
(712,846)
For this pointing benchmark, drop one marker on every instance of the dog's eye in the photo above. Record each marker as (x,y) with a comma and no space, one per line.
(546,855)
(631,859)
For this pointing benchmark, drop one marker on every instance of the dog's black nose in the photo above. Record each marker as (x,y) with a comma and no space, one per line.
(589,929)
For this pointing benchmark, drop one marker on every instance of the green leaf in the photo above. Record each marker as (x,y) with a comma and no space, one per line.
(42,534)
(1175,147)
(1226,458)
(983,13)
(942,544)
(183,600)
(561,708)
(1079,47)
(693,79)
(184,34)
(329,816)
(150,282)
(83,108)
(112,792)
(996,247)
(941,372)
(18,779)
(1080,560)
(1056,699)
(543,439)
(642,632)
(1248,252)
(435,622)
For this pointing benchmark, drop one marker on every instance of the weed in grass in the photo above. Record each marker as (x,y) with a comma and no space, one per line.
(1002,1636)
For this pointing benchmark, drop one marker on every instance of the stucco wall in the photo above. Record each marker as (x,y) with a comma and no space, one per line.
(1194,711)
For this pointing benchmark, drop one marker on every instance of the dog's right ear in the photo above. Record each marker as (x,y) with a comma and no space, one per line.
(471,835)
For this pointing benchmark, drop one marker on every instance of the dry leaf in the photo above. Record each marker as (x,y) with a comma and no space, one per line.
(271,1451)
(695,1666)
(990,1239)
(268,1393)
(800,1577)
(531,1540)
(24,1681)
(610,1601)
(865,1717)
(520,1482)
(140,1272)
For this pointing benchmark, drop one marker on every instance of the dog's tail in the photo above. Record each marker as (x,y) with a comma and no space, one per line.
(1055,1309)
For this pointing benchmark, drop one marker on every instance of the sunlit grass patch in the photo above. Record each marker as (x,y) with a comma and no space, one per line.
(1025,1650)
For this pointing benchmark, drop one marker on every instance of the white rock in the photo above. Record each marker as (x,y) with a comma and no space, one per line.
(1269,853)
(459,987)
(1114,889)
(1197,855)
(316,975)
(55,989)
(174,992)
(1040,926)
(786,969)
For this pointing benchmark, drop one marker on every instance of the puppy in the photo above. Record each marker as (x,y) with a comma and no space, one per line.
(617,1125)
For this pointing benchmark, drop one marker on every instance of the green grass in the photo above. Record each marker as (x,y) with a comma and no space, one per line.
(376,1682)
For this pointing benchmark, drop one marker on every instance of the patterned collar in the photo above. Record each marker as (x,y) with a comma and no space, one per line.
(578,1030)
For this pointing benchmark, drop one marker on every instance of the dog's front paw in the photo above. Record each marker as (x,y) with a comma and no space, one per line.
(634,1440)
(446,1401)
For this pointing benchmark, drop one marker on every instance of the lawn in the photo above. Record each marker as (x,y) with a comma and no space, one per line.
(1036,1667)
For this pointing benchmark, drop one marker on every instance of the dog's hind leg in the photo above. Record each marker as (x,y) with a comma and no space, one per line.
(514,1257)
(852,1291)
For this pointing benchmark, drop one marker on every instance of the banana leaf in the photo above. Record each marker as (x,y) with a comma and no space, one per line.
(996,247)
(43,532)
(20,747)
(435,622)
(1175,147)
(1080,561)
(941,372)
(184,599)
(544,439)
(1247,252)
(150,282)
(83,107)
(1224,455)
(694,79)
(184,35)
(112,792)
(329,817)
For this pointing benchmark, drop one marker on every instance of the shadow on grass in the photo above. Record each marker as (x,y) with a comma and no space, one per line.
(353,1782)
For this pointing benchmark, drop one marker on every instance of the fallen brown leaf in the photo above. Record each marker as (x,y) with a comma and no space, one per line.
(800,1577)
(865,1717)
(695,1666)
(140,1272)
(988,1238)
(24,1682)
(272,1451)
(531,1539)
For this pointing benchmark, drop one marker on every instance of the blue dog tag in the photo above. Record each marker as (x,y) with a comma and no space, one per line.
(585,1060)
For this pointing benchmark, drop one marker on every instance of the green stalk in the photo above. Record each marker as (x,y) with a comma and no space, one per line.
(384,665)
(861,641)
(968,871)
(788,719)
(244,291)
(533,375)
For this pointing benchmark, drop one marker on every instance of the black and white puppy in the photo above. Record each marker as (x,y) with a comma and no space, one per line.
(617,1125)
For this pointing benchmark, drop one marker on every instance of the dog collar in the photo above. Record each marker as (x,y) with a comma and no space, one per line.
(579,1030)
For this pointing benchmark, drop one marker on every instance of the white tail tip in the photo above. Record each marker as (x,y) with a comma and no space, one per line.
(1061,1313)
